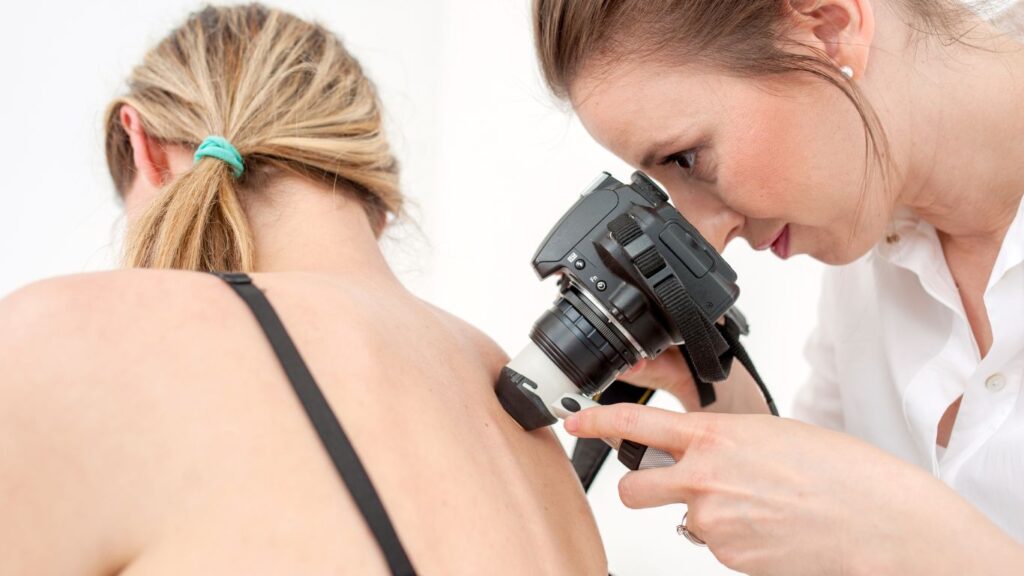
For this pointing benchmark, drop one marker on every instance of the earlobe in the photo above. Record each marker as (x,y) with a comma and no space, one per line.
(149,157)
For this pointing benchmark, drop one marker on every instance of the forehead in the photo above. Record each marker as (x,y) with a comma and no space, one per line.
(633,107)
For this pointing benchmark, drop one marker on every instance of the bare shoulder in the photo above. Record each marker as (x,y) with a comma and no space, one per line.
(479,342)
(84,318)
(81,330)
(77,301)
(70,350)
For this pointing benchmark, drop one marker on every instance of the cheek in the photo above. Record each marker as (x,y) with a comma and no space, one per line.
(795,159)
(758,167)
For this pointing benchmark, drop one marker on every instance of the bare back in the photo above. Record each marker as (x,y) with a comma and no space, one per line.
(166,440)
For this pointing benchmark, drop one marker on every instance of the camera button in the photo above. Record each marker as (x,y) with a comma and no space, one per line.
(570,405)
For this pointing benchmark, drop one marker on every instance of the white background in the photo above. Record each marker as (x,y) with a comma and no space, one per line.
(490,162)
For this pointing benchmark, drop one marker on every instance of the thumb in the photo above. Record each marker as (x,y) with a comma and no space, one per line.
(666,372)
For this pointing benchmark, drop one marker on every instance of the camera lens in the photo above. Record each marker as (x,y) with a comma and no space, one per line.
(581,342)
(575,350)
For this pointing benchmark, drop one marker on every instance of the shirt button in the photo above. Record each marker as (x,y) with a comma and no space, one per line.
(995,382)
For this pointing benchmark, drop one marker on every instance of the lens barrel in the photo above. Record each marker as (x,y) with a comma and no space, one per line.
(575,349)
(580,340)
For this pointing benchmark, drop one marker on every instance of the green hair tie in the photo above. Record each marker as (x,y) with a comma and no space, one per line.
(219,148)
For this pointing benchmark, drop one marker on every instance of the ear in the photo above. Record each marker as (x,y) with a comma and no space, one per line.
(843,29)
(149,156)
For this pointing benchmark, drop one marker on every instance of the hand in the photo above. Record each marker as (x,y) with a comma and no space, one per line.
(668,372)
(775,496)
(738,394)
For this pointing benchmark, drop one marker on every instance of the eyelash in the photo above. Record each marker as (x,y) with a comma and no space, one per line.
(691,157)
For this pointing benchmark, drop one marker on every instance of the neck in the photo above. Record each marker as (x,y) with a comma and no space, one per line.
(300,225)
(962,126)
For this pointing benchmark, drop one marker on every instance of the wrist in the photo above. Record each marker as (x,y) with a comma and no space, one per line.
(933,531)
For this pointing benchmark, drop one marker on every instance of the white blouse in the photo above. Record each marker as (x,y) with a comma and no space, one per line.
(893,349)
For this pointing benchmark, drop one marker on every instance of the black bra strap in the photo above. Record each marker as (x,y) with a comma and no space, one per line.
(326,424)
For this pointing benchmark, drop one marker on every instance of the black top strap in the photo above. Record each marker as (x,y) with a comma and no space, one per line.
(344,456)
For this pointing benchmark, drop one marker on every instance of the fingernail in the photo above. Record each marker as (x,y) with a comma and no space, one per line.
(572,423)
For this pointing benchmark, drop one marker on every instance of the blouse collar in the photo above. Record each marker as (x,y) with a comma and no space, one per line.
(913,243)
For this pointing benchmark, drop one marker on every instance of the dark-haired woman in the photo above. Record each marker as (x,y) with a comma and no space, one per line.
(886,138)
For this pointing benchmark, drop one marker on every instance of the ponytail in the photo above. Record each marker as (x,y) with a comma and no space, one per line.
(197,223)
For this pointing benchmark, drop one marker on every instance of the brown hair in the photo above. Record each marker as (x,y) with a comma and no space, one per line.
(285,93)
(743,37)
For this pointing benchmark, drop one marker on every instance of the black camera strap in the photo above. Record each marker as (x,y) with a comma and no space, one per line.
(733,327)
(709,354)
(709,348)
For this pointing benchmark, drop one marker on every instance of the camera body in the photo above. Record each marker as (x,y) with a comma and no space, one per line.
(632,272)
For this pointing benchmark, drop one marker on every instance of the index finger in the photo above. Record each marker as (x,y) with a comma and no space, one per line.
(670,431)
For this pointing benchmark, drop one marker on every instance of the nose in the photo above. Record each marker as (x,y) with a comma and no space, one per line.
(715,221)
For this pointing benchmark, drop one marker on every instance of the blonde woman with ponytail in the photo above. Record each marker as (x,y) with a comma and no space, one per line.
(299,413)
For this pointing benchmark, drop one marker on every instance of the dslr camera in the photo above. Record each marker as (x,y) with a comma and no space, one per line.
(636,278)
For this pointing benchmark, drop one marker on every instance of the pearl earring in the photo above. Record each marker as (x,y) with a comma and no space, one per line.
(846,71)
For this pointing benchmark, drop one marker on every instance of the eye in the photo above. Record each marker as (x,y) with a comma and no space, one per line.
(688,160)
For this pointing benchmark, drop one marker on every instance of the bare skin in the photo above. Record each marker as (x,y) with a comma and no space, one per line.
(146,427)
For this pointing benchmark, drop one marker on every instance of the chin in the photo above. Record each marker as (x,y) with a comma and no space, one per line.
(843,255)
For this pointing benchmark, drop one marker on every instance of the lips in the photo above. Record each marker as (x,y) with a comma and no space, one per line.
(780,246)
(778,243)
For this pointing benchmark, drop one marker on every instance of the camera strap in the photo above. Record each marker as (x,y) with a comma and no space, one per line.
(733,327)
(709,348)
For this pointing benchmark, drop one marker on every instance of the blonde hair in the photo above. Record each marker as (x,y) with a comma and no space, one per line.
(285,93)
